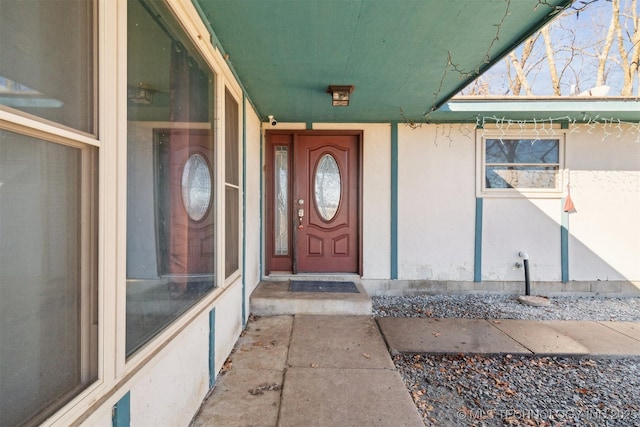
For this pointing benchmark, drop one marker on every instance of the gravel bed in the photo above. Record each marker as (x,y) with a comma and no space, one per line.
(475,390)
(495,306)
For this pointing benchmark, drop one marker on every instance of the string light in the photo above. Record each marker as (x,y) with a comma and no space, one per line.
(543,127)
(445,131)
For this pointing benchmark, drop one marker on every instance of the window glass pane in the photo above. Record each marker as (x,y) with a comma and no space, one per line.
(521,176)
(232,230)
(232,192)
(522,150)
(232,140)
(170,185)
(281,214)
(48,348)
(327,187)
(46,60)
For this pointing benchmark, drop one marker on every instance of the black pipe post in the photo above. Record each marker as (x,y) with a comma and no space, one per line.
(527,284)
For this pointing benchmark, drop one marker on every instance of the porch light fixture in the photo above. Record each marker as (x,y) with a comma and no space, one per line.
(340,95)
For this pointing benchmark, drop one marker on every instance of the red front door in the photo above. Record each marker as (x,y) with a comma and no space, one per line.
(313,201)
(326,203)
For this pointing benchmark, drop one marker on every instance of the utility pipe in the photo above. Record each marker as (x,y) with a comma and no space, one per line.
(527,284)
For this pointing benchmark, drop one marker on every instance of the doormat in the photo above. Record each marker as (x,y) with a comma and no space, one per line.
(322,286)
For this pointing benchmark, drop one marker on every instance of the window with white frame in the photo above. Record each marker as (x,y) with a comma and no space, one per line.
(232,186)
(520,164)
(171,197)
(48,187)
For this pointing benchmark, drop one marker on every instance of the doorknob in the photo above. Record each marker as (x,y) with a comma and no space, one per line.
(301,201)
(300,216)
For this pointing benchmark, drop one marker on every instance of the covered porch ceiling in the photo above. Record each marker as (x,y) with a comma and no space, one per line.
(405,58)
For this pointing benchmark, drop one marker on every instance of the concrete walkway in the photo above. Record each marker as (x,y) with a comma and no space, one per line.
(310,370)
(317,370)
(529,337)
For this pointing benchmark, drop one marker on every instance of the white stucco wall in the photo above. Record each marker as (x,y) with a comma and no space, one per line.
(172,386)
(604,172)
(252,196)
(228,323)
(511,225)
(169,389)
(436,202)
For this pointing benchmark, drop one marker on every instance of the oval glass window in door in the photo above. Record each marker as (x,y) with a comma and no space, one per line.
(327,187)
(196,187)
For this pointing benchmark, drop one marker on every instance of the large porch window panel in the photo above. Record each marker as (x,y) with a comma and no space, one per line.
(48,207)
(48,311)
(171,242)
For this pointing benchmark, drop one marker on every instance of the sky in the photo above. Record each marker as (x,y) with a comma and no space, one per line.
(577,38)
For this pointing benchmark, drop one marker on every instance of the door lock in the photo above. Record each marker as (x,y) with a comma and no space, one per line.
(300,216)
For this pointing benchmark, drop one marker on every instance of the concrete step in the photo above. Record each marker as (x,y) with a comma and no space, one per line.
(273,298)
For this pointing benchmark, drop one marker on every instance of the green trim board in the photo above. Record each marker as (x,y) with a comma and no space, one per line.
(261,196)
(394,201)
(121,414)
(244,209)
(212,347)
(477,256)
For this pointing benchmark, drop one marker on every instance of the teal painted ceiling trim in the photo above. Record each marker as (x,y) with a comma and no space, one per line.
(579,109)
(405,58)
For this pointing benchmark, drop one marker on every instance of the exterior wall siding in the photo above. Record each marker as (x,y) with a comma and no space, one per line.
(436,216)
(436,204)
(515,225)
(604,233)
(252,199)
(169,389)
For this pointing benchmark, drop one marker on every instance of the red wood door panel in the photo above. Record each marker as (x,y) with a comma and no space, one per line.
(326,203)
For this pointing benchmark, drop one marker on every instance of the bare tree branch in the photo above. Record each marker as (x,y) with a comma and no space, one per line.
(604,55)
(551,61)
